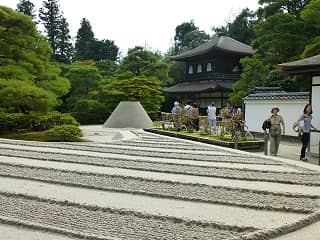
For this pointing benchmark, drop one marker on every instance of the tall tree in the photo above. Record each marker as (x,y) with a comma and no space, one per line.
(85,37)
(103,50)
(188,36)
(50,16)
(272,7)
(88,47)
(27,80)
(64,46)
(57,30)
(26,7)
(280,38)
(241,29)
(141,62)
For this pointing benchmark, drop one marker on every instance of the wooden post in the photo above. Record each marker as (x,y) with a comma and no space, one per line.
(265,143)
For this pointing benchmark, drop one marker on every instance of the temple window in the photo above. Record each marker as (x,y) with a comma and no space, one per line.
(209,67)
(199,68)
(190,69)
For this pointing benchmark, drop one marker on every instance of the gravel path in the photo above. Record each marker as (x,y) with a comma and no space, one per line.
(193,192)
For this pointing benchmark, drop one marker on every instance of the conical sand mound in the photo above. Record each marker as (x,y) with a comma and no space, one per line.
(129,115)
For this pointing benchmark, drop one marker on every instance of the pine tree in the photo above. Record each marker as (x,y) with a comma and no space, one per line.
(26,7)
(50,16)
(84,39)
(88,47)
(64,46)
(57,29)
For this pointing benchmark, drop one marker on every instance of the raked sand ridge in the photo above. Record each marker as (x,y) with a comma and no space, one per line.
(145,186)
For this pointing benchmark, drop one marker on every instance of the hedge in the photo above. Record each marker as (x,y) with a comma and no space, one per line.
(33,122)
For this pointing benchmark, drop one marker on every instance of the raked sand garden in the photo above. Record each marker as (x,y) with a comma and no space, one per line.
(130,184)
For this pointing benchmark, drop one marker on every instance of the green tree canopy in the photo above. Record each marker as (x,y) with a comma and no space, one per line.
(24,60)
(84,78)
(272,7)
(141,62)
(88,47)
(280,38)
(84,38)
(241,29)
(188,36)
(253,75)
(26,7)
(57,30)
(128,87)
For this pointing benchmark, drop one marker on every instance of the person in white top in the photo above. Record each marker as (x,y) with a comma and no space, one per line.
(212,117)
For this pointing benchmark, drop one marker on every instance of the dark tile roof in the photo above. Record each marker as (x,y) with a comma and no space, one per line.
(199,86)
(222,43)
(306,62)
(280,95)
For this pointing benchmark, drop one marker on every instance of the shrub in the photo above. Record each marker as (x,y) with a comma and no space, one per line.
(63,133)
(90,111)
(19,122)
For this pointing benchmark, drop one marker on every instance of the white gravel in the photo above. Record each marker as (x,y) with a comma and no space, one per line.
(164,207)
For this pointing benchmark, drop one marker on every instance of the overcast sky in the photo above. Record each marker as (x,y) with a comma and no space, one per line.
(148,23)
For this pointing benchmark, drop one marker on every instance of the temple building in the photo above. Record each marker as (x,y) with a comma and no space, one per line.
(210,71)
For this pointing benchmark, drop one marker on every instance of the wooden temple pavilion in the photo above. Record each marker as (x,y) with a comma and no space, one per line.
(210,71)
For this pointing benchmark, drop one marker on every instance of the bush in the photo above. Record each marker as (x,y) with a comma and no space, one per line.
(64,133)
(19,122)
(90,111)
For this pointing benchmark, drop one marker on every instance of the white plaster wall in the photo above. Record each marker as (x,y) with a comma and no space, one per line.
(256,111)
(314,141)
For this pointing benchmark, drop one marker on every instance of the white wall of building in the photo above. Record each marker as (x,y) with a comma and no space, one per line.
(315,137)
(256,111)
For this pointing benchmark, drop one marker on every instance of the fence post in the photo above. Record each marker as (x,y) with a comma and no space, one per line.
(265,143)
(319,152)
(236,139)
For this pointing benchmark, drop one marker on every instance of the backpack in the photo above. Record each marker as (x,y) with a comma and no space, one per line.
(266,124)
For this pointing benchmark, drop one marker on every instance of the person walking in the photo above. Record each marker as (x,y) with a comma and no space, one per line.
(277,126)
(212,117)
(305,126)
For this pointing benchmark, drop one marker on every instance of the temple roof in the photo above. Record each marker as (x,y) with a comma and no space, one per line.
(310,61)
(280,95)
(310,64)
(199,86)
(222,43)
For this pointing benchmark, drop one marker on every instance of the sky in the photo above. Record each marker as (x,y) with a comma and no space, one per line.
(147,23)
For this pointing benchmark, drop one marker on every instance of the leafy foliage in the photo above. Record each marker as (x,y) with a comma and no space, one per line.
(64,133)
(241,29)
(27,80)
(26,7)
(88,47)
(19,122)
(253,75)
(145,89)
(188,36)
(57,30)
(272,7)
(280,38)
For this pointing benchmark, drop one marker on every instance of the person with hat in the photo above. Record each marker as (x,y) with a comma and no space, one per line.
(277,126)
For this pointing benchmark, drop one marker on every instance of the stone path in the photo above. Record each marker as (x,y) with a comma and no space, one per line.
(144,186)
